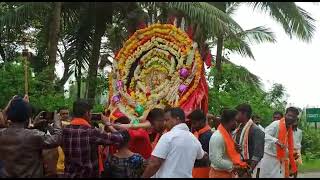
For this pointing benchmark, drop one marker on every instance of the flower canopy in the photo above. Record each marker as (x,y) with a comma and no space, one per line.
(158,66)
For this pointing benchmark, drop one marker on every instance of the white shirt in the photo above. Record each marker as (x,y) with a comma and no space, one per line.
(271,137)
(297,136)
(217,153)
(180,148)
(261,127)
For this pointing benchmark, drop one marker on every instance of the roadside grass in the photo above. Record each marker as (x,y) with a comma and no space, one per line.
(310,166)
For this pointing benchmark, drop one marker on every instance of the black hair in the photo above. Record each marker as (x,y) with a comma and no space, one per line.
(197,115)
(155,114)
(177,113)
(255,117)
(123,120)
(228,115)
(80,107)
(126,138)
(278,112)
(19,110)
(292,109)
(63,108)
(245,108)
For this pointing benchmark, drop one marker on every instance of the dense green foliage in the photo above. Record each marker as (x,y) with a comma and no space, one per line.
(310,139)
(12,83)
(241,86)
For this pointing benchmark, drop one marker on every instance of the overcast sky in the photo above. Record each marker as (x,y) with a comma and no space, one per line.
(291,62)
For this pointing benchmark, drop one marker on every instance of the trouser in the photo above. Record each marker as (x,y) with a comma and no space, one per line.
(200,172)
(220,174)
(271,167)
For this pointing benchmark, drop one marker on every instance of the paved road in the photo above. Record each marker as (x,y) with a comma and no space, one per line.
(309,175)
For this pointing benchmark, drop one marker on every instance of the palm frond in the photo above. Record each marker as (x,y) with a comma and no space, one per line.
(80,41)
(294,20)
(239,46)
(24,12)
(240,43)
(215,21)
(232,7)
(258,35)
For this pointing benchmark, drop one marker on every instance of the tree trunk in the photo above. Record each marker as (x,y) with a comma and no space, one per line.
(221,6)
(78,79)
(67,72)
(53,38)
(66,75)
(219,54)
(103,15)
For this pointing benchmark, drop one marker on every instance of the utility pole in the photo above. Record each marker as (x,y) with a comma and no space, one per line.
(25,54)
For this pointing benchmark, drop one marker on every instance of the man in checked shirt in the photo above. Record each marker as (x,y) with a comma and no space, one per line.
(80,143)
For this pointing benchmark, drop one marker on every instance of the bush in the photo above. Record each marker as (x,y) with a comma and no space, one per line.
(311,143)
(50,102)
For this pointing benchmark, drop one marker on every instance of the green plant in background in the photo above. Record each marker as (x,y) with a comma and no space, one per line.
(241,86)
(42,97)
(310,139)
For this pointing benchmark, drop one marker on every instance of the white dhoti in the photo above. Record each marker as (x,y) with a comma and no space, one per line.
(254,174)
(271,167)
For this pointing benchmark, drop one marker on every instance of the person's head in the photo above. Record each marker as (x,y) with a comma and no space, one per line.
(19,111)
(82,109)
(217,121)
(123,120)
(173,116)
(291,116)
(228,119)
(198,119)
(277,115)
(156,118)
(64,113)
(210,119)
(256,119)
(244,113)
(126,139)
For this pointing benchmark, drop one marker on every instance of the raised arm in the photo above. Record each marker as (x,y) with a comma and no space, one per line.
(53,140)
(103,138)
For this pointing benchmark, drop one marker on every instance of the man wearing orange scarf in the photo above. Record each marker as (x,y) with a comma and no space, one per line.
(279,147)
(80,142)
(225,158)
(202,131)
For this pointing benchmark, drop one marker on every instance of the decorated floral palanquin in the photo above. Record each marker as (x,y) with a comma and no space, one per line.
(158,66)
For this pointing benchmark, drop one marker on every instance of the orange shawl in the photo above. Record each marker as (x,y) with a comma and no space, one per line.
(281,153)
(201,172)
(230,146)
(82,122)
(201,131)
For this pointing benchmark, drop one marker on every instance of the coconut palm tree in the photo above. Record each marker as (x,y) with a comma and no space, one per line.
(294,20)
(54,30)
(84,24)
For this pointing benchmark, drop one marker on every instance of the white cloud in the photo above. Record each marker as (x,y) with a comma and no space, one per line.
(291,62)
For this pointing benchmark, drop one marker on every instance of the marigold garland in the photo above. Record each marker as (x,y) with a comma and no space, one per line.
(156,54)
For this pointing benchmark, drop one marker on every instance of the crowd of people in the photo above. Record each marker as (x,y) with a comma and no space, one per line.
(168,144)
